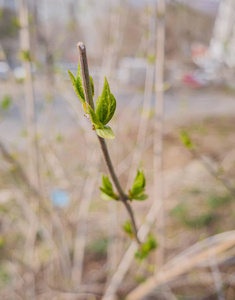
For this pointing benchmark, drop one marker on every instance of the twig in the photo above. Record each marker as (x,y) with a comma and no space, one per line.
(82,216)
(185,262)
(89,99)
(33,150)
(148,90)
(224,181)
(159,129)
(216,275)
(10,159)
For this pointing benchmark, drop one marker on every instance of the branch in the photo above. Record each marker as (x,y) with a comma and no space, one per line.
(11,160)
(224,181)
(89,99)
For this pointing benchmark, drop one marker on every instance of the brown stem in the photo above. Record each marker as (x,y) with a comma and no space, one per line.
(89,99)
(85,74)
(111,169)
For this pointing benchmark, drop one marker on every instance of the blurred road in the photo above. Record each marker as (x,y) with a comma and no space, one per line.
(58,116)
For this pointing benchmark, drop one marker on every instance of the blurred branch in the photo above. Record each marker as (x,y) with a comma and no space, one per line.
(20,172)
(82,215)
(216,275)
(89,100)
(148,90)
(29,94)
(224,181)
(159,129)
(186,261)
(129,255)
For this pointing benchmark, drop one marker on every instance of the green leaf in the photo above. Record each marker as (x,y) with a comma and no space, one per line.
(6,102)
(138,188)
(151,59)
(25,55)
(139,182)
(106,104)
(79,83)
(185,139)
(107,189)
(94,119)
(128,228)
(78,89)
(146,248)
(106,132)
(106,197)
(92,86)
(107,183)
(84,105)
(141,197)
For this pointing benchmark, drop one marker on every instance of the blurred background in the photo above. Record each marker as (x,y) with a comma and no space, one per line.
(171,67)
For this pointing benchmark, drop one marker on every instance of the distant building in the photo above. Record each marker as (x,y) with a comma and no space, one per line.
(7,3)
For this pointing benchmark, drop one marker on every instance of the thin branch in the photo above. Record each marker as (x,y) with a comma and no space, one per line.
(224,181)
(184,262)
(20,172)
(159,129)
(111,169)
(33,151)
(89,99)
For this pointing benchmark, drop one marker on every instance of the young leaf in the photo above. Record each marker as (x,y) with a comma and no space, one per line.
(84,105)
(6,102)
(77,87)
(141,197)
(105,105)
(146,248)
(25,55)
(92,86)
(139,182)
(94,119)
(107,189)
(107,183)
(105,197)
(79,83)
(106,132)
(185,139)
(128,228)
(138,188)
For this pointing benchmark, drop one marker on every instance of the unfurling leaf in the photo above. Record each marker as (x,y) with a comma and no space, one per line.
(128,229)
(185,139)
(139,182)
(138,188)
(146,248)
(141,197)
(107,183)
(107,189)
(94,119)
(6,102)
(84,105)
(92,86)
(25,55)
(106,132)
(105,105)
(77,85)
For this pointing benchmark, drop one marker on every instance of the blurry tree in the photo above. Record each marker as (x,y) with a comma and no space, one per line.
(9,28)
(192,25)
(9,24)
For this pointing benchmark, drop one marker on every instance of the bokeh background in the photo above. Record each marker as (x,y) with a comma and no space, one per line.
(170,65)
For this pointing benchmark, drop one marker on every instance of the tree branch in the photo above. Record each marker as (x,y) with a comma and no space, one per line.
(89,99)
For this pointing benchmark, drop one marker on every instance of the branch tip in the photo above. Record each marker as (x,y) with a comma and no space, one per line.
(81,46)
